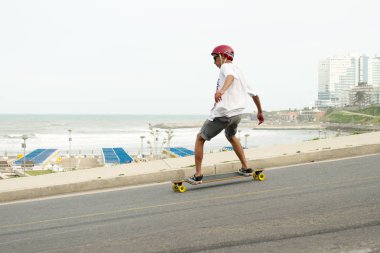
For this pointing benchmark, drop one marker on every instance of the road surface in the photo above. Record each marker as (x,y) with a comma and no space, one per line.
(321,207)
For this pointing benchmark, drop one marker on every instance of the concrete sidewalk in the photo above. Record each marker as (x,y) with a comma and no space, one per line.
(174,168)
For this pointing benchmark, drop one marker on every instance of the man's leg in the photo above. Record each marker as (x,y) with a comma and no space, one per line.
(209,130)
(238,151)
(230,135)
(198,150)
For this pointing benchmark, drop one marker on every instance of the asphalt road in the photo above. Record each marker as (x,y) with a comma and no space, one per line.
(321,207)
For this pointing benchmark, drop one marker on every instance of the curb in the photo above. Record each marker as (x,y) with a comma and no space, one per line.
(168,175)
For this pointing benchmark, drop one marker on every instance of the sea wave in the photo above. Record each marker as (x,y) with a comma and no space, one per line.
(17,136)
(178,125)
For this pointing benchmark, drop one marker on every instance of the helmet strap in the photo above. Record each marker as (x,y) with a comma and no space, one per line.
(221,59)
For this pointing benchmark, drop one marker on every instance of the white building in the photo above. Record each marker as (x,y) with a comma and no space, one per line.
(374,71)
(339,74)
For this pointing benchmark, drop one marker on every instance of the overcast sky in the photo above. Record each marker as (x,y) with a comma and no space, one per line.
(153,57)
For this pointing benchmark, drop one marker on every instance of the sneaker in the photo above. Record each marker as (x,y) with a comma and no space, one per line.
(195,180)
(245,172)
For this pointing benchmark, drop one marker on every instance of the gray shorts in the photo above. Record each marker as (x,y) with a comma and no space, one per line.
(210,129)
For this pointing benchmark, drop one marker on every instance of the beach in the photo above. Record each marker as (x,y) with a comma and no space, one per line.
(90,133)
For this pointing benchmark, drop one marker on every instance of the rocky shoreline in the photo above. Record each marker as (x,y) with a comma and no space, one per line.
(276,126)
(243,124)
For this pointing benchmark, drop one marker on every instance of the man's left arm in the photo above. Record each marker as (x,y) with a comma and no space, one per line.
(257,102)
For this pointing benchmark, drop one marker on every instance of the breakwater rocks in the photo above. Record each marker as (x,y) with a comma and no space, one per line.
(244,124)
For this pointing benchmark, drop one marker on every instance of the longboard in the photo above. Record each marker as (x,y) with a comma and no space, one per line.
(177,185)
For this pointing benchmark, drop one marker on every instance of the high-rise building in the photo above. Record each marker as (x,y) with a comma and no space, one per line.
(374,71)
(339,74)
(324,89)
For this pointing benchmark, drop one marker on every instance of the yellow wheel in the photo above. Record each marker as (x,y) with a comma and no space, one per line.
(174,187)
(255,176)
(261,176)
(181,188)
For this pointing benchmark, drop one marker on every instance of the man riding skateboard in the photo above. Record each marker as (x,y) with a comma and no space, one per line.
(230,102)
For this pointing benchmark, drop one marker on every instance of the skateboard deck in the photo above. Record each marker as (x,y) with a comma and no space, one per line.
(177,185)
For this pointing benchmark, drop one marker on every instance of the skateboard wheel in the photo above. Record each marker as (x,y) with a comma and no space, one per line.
(261,176)
(181,188)
(175,187)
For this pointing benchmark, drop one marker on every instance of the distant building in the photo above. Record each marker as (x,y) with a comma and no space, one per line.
(374,71)
(310,115)
(305,115)
(290,116)
(363,95)
(339,74)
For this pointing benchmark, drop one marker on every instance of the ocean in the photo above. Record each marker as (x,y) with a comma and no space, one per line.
(90,133)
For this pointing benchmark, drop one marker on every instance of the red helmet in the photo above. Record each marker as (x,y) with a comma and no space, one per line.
(224,50)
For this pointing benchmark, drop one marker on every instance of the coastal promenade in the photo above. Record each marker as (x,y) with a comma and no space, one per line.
(168,169)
